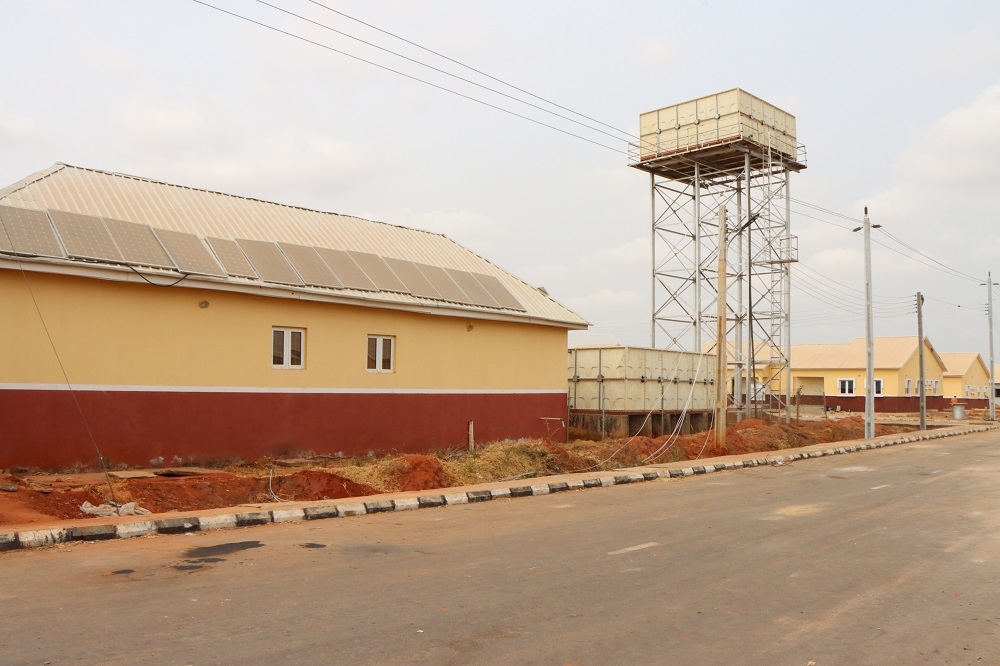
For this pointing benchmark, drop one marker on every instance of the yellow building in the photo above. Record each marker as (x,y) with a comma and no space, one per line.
(966,376)
(839,369)
(164,322)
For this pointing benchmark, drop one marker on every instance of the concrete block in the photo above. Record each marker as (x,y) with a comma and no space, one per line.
(382,506)
(177,525)
(406,504)
(698,470)
(607,481)
(497,493)
(223,522)
(432,501)
(135,529)
(356,509)
(253,518)
(320,512)
(674,473)
(38,538)
(575,484)
(540,489)
(456,498)
(650,476)
(9,542)
(592,483)
(479,495)
(558,487)
(521,491)
(287,515)
(91,532)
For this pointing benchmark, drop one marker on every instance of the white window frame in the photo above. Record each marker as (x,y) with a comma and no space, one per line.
(380,358)
(841,386)
(935,387)
(879,386)
(286,349)
(909,385)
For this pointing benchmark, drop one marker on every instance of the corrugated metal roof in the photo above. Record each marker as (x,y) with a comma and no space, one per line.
(890,352)
(206,213)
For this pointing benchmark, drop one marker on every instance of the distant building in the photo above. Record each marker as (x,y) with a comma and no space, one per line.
(162,321)
(966,376)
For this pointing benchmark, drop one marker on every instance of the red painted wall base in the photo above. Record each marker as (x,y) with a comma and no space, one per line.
(44,429)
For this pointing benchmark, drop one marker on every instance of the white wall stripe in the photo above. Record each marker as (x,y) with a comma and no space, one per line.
(4,386)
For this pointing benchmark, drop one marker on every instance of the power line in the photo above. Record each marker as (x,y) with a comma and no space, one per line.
(408,76)
(470,68)
(441,71)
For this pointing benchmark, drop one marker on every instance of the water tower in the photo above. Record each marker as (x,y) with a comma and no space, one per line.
(735,150)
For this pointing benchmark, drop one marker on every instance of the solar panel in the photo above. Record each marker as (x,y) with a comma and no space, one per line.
(443,283)
(189,253)
(346,269)
(138,244)
(379,272)
(29,232)
(5,245)
(232,257)
(475,291)
(499,292)
(85,236)
(413,278)
(309,265)
(269,262)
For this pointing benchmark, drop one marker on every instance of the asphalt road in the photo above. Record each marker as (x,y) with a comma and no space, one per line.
(879,557)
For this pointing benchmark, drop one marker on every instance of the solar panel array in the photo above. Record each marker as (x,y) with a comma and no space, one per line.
(189,253)
(62,235)
(85,237)
(28,232)
(138,244)
(232,257)
(269,262)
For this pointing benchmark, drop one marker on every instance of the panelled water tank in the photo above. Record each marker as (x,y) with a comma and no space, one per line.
(733,115)
(639,379)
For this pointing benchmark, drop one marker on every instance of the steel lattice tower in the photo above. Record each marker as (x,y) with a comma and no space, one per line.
(732,150)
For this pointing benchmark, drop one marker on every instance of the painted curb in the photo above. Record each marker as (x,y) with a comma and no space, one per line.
(190,524)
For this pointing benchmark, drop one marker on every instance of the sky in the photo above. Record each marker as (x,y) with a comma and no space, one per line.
(897,103)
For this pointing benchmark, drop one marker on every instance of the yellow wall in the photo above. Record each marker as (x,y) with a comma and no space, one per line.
(115,333)
(977,377)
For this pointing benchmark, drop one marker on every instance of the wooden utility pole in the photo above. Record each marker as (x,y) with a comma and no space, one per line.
(721,343)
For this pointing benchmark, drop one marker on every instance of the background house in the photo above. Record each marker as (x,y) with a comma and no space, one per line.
(834,374)
(160,321)
(966,376)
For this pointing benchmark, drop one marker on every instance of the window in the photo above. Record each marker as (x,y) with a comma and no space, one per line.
(909,386)
(287,346)
(380,353)
(935,390)
(878,387)
(846,386)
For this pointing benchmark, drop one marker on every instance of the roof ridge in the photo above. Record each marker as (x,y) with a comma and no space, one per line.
(118,174)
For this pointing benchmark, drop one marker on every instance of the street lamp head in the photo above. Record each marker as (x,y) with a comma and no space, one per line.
(856,229)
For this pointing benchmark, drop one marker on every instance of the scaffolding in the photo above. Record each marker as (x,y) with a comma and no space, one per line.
(730,150)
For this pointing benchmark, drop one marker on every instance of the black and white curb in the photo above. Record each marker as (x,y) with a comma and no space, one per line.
(183,525)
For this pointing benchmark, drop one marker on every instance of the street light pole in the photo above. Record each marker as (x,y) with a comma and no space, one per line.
(989,314)
(869,333)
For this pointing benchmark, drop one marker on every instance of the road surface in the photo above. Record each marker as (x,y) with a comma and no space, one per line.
(889,556)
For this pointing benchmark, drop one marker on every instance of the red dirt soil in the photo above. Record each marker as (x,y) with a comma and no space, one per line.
(31,503)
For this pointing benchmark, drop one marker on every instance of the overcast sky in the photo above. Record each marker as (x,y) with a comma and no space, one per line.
(898,105)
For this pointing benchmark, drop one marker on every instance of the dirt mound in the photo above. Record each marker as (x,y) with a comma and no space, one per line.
(418,472)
